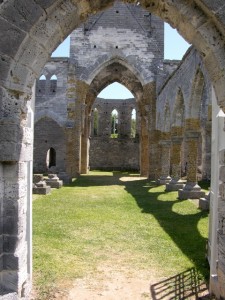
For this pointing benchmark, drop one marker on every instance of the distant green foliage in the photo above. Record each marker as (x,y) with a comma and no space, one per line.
(114,125)
(133,128)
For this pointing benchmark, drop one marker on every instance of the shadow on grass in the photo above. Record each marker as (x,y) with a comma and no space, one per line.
(181,227)
(182,286)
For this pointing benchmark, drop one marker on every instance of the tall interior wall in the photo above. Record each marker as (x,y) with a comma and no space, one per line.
(182,80)
(121,153)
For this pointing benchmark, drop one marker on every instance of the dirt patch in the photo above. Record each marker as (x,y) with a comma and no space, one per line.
(112,284)
(109,283)
(132,178)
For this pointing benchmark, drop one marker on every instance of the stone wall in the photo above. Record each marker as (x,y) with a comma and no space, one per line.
(51,100)
(121,153)
(124,31)
(48,134)
(184,82)
(114,154)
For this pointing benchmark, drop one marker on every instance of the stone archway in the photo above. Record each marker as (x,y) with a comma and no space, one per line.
(114,71)
(30,32)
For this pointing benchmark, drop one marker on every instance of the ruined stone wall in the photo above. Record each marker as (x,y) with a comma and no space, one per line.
(124,31)
(107,153)
(182,81)
(48,134)
(114,154)
(51,98)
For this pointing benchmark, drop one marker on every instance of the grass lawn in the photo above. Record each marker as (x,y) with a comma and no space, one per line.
(101,218)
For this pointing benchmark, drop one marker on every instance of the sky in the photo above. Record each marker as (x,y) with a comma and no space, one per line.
(174,48)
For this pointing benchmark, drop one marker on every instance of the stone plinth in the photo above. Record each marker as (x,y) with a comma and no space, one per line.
(40,186)
(65,177)
(37,178)
(54,182)
(164,180)
(191,191)
(175,185)
(204,202)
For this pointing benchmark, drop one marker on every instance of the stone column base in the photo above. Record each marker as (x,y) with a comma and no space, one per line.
(164,180)
(204,202)
(41,190)
(175,185)
(67,179)
(191,191)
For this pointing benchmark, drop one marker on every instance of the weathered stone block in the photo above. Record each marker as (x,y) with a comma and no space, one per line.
(175,185)
(222,157)
(1,243)
(204,204)
(9,243)
(191,191)
(10,262)
(222,190)
(9,296)
(65,178)
(16,38)
(37,178)
(222,173)
(22,14)
(10,281)
(42,190)
(9,225)
(54,182)
(164,180)
(221,205)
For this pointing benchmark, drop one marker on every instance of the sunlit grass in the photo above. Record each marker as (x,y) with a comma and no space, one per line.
(100,218)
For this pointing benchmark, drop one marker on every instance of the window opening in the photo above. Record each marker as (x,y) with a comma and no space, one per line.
(53,83)
(95,122)
(42,77)
(51,158)
(114,124)
(133,123)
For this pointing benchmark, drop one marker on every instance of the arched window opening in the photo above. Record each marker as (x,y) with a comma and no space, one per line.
(114,124)
(53,84)
(133,128)
(42,77)
(115,91)
(51,158)
(95,122)
(41,84)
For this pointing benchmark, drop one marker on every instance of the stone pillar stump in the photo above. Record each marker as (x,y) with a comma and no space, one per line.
(176,183)
(191,190)
(165,163)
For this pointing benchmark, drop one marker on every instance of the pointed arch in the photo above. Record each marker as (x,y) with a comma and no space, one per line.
(179,110)
(116,60)
(115,72)
(196,95)
(51,115)
(53,77)
(42,77)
